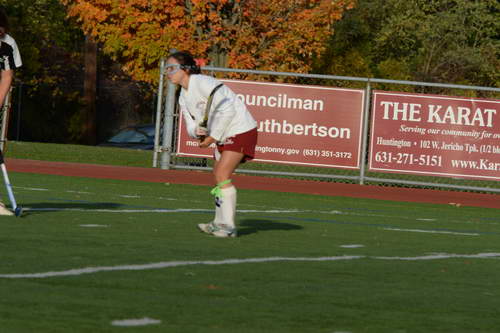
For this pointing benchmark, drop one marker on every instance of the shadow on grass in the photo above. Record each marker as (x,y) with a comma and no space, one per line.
(247,227)
(40,208)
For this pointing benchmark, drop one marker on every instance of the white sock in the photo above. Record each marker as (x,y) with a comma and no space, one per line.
(218,211)
(228,206)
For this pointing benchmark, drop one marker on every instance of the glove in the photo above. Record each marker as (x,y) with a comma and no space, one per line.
(201,131)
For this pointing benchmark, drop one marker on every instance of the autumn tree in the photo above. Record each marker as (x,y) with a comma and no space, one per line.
(280,35)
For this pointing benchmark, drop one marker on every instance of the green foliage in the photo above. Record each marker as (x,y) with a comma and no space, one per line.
(51,50)
(50,45)
(449,41)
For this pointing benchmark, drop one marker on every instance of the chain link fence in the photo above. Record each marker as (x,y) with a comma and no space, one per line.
(167,111)
(32,120)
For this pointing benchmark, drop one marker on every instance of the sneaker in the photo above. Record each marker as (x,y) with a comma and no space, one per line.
(224,231)
(218,230)
(4,211)
(207,227)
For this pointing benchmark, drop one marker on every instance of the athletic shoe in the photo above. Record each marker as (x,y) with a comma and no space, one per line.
(223,230)
(4,211)
(218,230)
(207,227)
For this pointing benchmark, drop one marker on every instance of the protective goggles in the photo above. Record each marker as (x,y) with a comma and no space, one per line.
(173,68)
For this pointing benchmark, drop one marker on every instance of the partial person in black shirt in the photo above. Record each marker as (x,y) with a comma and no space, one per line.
(7,66)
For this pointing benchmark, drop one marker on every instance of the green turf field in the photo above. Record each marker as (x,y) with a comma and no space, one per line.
(91,255)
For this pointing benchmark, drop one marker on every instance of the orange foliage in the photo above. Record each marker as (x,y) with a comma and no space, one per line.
(278,35)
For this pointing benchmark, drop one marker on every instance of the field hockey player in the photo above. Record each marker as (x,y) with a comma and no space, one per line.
(215,115)
(10,60)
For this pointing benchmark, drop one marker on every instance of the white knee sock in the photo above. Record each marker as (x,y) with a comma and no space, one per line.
(218,211)
(227,206)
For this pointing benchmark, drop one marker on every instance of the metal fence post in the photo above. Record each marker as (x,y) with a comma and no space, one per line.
(168,124)
(362,175)
(19,102)
(364,140)
(157,148)
(5,119)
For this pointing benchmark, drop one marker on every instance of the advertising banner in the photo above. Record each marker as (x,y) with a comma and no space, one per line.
(435,135)
(297,124)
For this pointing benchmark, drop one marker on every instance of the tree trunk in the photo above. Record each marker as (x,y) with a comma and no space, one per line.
(218,57)
(89,91)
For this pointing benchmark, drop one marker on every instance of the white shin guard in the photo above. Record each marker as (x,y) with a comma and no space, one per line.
(218,211)
(225,207)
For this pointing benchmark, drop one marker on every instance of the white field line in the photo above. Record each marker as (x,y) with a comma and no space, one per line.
(186,210)
(437,256)
(94,225)
(280,210)
(31,188)
(135,322)
(92,193)
(157,210)
(434,231)
(410,218)
(337,212)
(333,212)
(180,210)
(170,264)
(249,211)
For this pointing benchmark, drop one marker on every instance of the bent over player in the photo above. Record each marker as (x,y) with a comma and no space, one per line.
(214,114)
(9,60)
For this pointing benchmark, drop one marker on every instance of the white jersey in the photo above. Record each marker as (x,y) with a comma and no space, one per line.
(228,114)
(7,39)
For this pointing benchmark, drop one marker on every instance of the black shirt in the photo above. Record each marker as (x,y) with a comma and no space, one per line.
(6,57)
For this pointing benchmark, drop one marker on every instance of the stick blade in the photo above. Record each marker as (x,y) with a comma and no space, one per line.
(18,211)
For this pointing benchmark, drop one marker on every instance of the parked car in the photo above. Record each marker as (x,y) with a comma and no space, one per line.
(133,137)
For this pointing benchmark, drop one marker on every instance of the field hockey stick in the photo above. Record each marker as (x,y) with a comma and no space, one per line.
(204,122)
(18,210)
(5,120)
